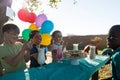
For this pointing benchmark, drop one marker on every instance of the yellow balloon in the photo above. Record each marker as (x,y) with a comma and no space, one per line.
(33,27)
(46,39)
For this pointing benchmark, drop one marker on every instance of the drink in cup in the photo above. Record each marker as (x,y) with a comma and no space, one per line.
(75,46)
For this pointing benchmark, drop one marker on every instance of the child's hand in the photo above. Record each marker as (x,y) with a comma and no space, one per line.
(27,46)
(65,44)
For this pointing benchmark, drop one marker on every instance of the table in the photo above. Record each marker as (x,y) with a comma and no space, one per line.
(61,71)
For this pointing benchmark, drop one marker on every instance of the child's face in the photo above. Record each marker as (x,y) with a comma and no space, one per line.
(11,36)
(37,39)
(58,38)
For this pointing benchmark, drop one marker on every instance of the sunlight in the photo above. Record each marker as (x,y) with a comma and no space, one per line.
(17,4)
(87,17)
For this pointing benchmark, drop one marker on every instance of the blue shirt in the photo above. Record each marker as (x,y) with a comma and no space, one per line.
(116,64)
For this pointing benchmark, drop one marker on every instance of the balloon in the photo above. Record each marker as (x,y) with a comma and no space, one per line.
(23,14)
(31,17)
(46,39)
(47,26)
(25,34)
(40,31)
(33,27)
(40,19)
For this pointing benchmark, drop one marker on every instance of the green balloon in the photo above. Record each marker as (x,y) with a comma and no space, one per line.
(40,31)
(25,34)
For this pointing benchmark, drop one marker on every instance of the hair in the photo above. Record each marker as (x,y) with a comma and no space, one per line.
(10,27)
(7,28)
(116,27)
(32,34)
(55,32)
(53,35)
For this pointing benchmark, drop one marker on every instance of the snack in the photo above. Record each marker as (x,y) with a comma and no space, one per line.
(66,54)
(74,54)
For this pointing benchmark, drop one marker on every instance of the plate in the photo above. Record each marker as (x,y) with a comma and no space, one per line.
(74,55)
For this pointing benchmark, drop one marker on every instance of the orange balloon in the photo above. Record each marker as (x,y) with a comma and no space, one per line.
(33,27)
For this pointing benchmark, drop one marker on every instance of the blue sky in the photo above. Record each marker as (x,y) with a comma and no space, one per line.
(86,17)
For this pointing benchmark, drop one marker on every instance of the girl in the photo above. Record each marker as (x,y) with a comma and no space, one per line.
(57,45)
(35,39)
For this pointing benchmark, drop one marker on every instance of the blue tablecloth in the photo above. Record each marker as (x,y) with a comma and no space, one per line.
(61,71)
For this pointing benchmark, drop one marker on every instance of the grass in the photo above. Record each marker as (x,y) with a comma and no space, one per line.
(105,71)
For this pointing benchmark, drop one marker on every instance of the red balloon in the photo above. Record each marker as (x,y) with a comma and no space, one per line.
(23,15)
(31,17)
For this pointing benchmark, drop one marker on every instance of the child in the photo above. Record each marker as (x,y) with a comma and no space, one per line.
(13,54)
(35,39)
(57,45)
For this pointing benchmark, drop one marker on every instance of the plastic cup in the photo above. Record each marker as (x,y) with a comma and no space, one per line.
(75,46)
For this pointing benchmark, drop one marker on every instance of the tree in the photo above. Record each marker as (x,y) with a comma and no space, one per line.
(32,5)
(96,41)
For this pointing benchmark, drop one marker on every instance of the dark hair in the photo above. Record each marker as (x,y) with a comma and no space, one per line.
(32,34)
(7,28)
(55,32)
(115,27)
(10,27)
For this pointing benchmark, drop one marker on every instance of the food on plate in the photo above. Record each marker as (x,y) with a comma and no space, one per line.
(66,54)
(74,54)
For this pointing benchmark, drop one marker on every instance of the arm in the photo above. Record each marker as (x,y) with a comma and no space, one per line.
(1,70)
(14,60)
(27,51)
(27,56)
(35,56)
(86,49)
(117,65)
(64,45)
(54,52)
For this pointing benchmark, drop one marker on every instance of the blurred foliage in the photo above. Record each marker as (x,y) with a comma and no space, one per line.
(53,3)
(96,39)
(35,4)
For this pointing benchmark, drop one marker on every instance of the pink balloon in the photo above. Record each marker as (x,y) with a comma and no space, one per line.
(40,19)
